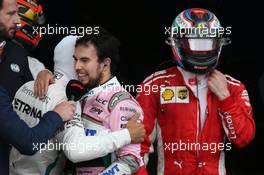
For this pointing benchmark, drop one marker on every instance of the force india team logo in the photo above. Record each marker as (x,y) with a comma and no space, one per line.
(174,94)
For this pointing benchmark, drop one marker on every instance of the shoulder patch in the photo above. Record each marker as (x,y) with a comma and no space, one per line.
(58,75)
(118,97)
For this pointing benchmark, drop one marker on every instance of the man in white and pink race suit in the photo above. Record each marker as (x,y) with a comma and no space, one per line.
(106,106)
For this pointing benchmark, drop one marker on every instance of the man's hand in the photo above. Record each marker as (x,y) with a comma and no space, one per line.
(66,110)
(44,78)
(136,129)
(217,83)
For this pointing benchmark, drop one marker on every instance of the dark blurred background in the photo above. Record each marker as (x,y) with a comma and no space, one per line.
(139,25)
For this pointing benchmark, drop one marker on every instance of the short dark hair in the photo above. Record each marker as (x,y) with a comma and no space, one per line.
(1,4)
(105,44)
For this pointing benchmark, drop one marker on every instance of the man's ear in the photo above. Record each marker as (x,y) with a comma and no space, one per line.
(106,63)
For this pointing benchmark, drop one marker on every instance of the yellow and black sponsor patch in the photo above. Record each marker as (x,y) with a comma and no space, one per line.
(174,94)
(182,94)
(167,95)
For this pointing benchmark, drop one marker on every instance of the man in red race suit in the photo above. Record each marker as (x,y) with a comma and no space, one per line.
(196,108)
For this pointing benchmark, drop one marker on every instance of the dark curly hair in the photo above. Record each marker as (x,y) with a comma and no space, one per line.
(106,46)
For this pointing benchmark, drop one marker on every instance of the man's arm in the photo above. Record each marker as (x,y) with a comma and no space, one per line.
(35,66)
(149,104)
(235,108)
(16,132)
(82,148)
(236,113)
(43,77)
(128,157)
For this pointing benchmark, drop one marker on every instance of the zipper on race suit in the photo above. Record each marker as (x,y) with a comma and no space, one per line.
(198,121)
(198,125)
(199,130)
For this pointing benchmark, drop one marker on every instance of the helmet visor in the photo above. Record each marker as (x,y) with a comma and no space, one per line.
(200,46)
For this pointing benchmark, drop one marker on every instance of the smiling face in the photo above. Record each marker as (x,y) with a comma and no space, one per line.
(87,66)
(8,19)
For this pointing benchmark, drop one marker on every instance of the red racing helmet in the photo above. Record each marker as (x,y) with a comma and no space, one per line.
(31,15)
(196,39)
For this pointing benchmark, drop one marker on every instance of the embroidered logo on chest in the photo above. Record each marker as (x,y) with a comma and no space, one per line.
(174,94)
(182,94)
(167,95)
(14,67)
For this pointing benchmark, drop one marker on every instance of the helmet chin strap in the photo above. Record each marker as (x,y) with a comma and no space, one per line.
(172,42)
(225,41)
